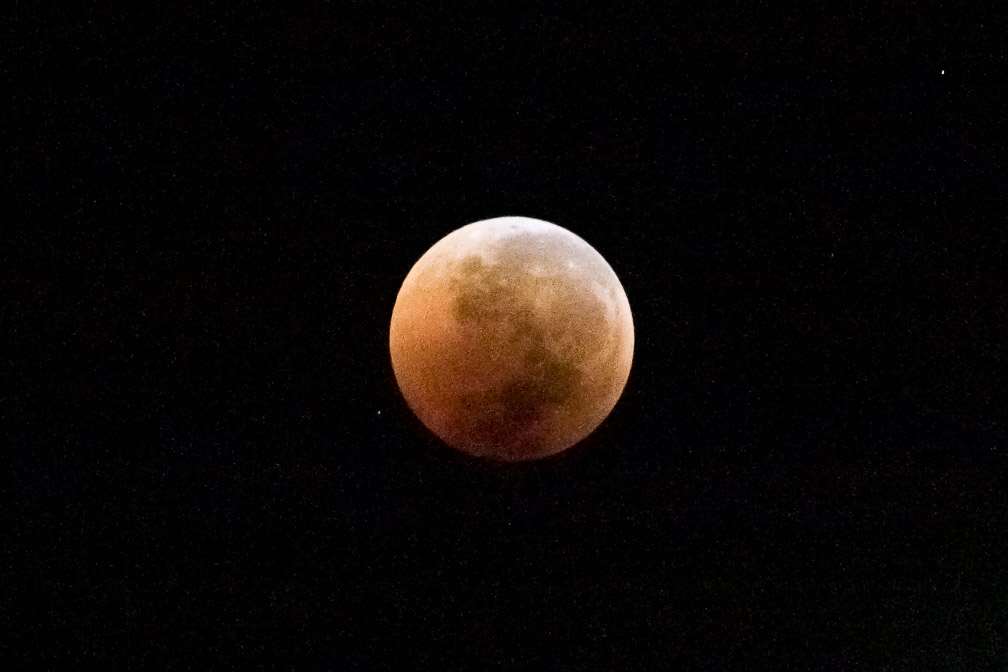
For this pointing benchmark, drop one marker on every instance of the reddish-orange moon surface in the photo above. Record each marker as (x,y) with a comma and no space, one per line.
(511,339)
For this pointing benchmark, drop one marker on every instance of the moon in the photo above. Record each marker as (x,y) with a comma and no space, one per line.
(511,339)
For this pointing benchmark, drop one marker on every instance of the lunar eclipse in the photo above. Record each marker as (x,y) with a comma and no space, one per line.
(511,339)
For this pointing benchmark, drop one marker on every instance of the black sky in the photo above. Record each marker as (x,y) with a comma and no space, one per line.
(210,463)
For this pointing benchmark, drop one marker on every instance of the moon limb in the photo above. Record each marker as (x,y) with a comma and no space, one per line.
(511,338)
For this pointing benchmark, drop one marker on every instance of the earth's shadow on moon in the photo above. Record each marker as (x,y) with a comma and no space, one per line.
(422,445)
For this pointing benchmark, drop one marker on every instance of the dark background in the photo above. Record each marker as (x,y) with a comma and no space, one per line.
(209,463)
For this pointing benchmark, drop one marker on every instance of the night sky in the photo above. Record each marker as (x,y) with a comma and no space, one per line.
(208,461)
